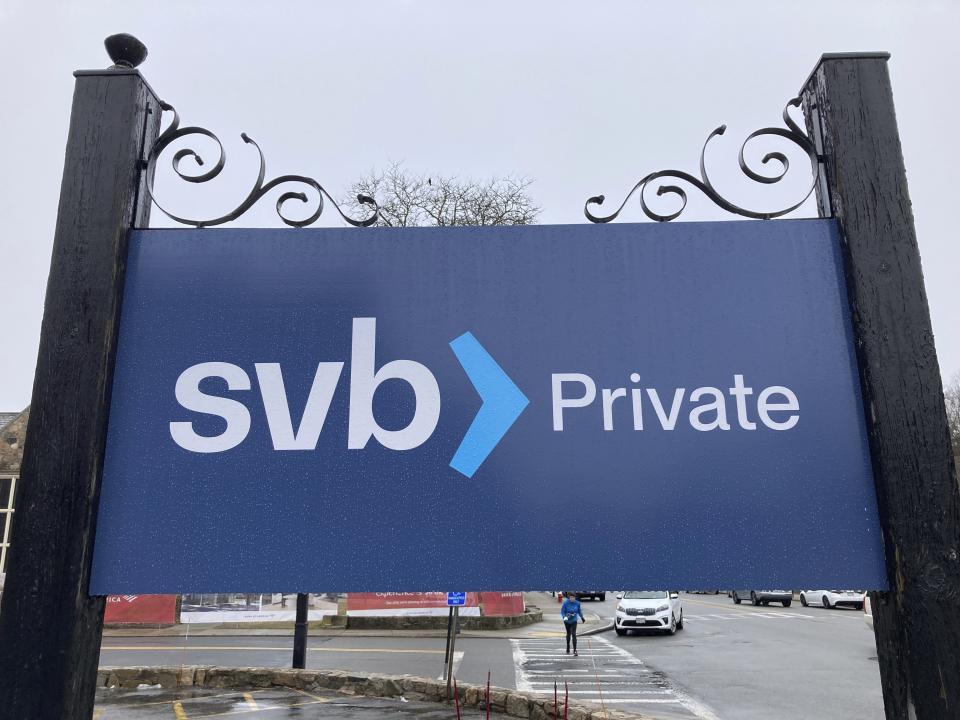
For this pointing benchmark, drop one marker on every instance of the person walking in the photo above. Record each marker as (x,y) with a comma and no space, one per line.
(572,614)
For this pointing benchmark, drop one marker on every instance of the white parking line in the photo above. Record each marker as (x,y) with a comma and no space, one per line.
(759,615)
(563,656)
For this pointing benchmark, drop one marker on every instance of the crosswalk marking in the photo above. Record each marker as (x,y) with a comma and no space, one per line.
(768,615)
(621,692)
(603,672)
(588,680)
(627,701)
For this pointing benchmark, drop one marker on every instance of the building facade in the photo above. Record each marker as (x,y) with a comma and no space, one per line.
(13,429)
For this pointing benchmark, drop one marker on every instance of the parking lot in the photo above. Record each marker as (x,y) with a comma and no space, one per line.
(729,662)
(273,703)
(746,662)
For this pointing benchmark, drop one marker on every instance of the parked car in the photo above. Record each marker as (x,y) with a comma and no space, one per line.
(867,611)
(600,595)
(648,610)
(833,598)
(763,597)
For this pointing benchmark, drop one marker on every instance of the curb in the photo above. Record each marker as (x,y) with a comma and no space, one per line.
(198,631)
(513,703)
(596,631)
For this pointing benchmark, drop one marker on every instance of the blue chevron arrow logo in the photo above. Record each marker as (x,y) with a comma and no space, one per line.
(502,404)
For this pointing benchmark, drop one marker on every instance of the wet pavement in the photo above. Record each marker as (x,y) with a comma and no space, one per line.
(604,674)
(190,703)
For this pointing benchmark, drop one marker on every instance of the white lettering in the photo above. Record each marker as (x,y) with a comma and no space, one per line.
(718,406)
(740,392)
(608,397)
(636,395)
(765,407)
(275,405)
(667,422)
(235,413)
(364,380)
(560,402)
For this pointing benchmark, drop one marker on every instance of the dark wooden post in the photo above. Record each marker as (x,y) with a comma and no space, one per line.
(49,627)
(849,109)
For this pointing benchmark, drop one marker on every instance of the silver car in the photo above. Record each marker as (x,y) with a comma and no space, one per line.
(763,597)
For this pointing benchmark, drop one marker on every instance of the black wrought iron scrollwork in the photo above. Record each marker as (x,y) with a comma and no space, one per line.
(175,132)
(792,132)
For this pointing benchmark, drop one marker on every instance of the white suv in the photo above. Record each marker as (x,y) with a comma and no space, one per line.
(648,610)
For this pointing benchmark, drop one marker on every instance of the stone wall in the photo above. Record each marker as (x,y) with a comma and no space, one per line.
(11,443)
(439,622)
(502,701)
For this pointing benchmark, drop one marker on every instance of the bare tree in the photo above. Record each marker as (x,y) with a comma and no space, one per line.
(410,200)
(951,394)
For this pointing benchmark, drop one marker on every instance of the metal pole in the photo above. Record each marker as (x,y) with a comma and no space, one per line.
(486,700)
(848,103)
(50,627)
(300,633)
(456,697)
(453,644)
(446,648)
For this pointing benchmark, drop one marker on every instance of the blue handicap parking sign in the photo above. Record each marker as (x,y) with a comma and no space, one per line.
(456,598)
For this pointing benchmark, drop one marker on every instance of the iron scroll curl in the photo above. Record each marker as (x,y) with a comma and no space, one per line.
(791,132)
(260,188)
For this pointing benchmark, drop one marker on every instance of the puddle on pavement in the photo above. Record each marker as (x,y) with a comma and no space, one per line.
(192,703)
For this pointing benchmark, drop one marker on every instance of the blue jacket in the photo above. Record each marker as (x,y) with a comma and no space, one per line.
(569,611)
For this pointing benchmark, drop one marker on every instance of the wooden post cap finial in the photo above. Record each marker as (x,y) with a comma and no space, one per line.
(125,50)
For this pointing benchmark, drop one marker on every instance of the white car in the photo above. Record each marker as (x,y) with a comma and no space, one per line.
(648,610)
(833,598)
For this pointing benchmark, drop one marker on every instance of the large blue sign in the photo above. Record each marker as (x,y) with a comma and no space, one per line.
(653,406)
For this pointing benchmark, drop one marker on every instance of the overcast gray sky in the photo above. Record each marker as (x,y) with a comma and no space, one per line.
(584,98)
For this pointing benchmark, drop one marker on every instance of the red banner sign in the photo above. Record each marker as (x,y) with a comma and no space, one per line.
(159,609)
(489,603)
(501,603)
(402,601)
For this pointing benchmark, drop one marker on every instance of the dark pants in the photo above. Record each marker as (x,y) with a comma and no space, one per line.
(571,633)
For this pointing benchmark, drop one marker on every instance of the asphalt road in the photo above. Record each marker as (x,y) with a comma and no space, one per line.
(753,663)
(393,655)
(730,662)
